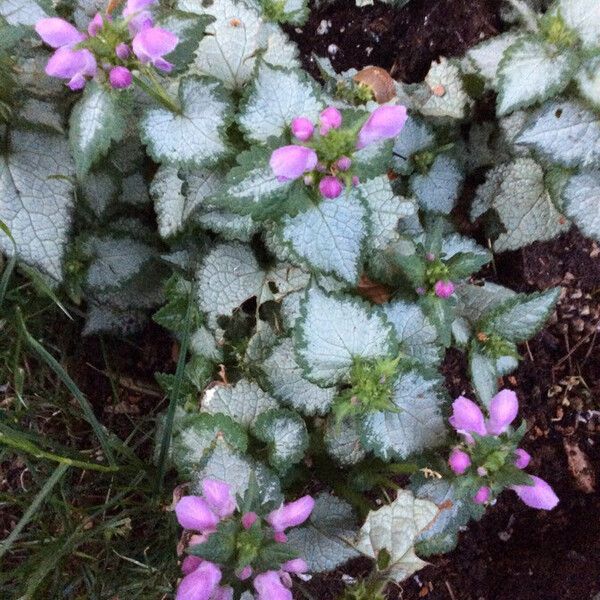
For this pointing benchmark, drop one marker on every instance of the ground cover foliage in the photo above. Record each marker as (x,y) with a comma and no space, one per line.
(311,317)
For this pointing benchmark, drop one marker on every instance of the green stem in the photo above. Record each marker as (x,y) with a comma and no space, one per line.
(153,88)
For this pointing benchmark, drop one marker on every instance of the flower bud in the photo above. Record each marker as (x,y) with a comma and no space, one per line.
(355,180)
(122,51)
(443,289)
(245,573)
(467,418)
(120,78)
(522,458)
(248,519)
(330,118)
(459,461)
(385,122)
(302,128)
(95,25)
(538,495)
(343,163)
(194,513)
(200,583)
(269,587)
(291,514)
(331,187)
(482,495)
(504,407)
(218,496)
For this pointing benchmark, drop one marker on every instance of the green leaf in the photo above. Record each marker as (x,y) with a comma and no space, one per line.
(294,12)
(373,160)
(581,197)
(584,18)
(325,541)
(440,312)
(483,373)
(487,55)
(588,81)
(567,133)
(415,332)
(285,433)
(445,75)
(395,528)
(220,545)
(330,236)
(196,136)
(196,434)
(172,208)
(334,330)
(97,120)
(243,402)
(277,96)
(464,264)
(520,318)
(226,463)
(417,135)
(438,190)
(272,556)
(171,315)
(545,69)
(415,425)
(251,188)
(36,197)
(288,384)
(476,300)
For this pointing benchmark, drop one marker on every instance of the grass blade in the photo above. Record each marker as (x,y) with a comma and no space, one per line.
(6,544)
(165,442)
(71,386)
(10,266)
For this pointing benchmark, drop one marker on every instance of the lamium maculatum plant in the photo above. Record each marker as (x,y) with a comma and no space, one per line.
(300,240)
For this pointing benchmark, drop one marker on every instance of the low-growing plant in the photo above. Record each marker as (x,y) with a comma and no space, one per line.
(305,255)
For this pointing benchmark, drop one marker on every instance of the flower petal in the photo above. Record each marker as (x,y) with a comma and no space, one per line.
(194,513)
(57,32)
(385,122)
(199,584)
(269,587)
(539,495)
(153,43)
(296,565)
(467,417)
(504,407)
(522,458)
(290,162)
(291,514)
(218,496)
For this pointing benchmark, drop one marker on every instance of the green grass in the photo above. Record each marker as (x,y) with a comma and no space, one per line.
(80,515)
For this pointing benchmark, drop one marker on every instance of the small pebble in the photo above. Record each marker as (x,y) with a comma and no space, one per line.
(332,49)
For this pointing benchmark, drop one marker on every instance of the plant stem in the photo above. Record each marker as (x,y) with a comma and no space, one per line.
(154,89)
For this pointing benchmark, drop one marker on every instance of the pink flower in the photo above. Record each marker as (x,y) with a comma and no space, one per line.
(343,163)
(297,565)
(504,407)
(483,495)
(58,33)
(467,418)
(190,563)
(522,458)
(223,593)
(269,587)
(135,6)
(120,77)
(245,573)
(218,496)
(95,25)
(248,519)
(355,180)
(302,128)
(291,514)
(385,122)
(74,65)
(122,51)
(459,461)
(291,162)
(151,44)
(200,584)
(443,289)
(538,495)
(280,537)
(330,118)
(331,187)
(194,513)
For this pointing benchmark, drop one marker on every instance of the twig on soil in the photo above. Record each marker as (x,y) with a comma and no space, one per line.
(450,591)
(570,351)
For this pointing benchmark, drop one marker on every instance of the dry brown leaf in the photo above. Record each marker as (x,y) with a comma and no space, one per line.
(373,291)
(580,467)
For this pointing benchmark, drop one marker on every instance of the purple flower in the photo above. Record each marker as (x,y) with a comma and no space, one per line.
(194,513)
(223,593)
(459,461)
(330,118)
(538,495)
(522,458)
(218,497)
(248,519)
(504,407)
(443,289)
(269,587)
(58,33)
(355,180)
(302,128)
(296,565)
(343,163)
(290,162)
(245,573)
(291,514)
(190,563)
(483,495)
(467,418)
(74,65)
(200,584)
(385,122)
(95,25)
(331,187)
(120,77)
(151,44)
(122,51)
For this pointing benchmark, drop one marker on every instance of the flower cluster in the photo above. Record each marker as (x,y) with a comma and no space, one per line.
(112,46)
(490,458)
(324,158)
(254,535)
